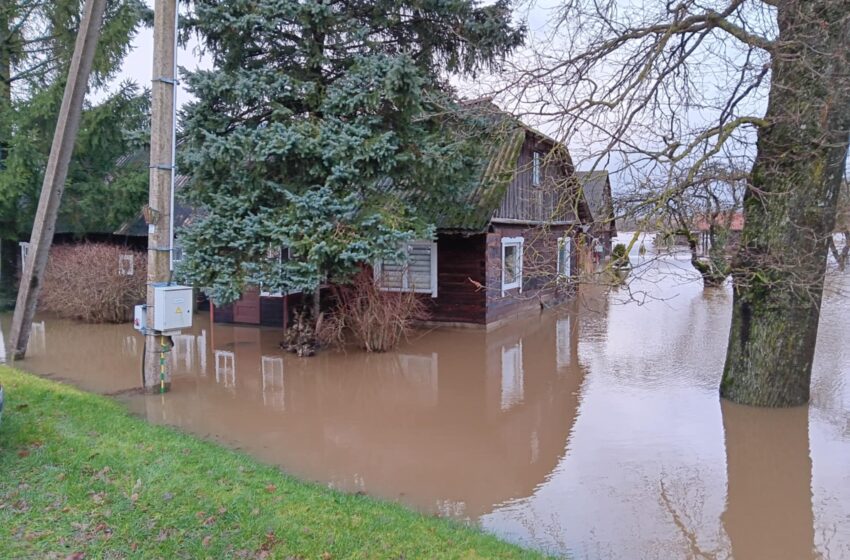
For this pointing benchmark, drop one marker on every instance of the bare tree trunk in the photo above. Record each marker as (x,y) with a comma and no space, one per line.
(840,256)
(711,275)
(790,208)
(317,307)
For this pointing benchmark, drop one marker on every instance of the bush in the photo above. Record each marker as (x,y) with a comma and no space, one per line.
(619,254)
(84,282)
(378,320)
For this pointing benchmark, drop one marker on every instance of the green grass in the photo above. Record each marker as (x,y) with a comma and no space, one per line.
(81,476)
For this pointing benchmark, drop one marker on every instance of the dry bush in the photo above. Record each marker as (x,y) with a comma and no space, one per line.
(378,320)
(83,282)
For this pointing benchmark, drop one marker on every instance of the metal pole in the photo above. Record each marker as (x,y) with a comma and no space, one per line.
(55,174)
(161,179)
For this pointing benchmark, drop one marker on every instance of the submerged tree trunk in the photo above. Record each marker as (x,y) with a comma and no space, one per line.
(790,208)
(713,273)
(840,256)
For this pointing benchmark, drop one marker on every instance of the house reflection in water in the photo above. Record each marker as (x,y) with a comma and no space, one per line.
(225,368)
(273,389)
(424,425)
(621,450)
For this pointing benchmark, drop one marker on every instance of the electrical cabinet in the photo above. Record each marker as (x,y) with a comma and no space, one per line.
(140,318)
(172,309)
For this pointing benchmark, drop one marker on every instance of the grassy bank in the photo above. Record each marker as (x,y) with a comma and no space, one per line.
(80,477)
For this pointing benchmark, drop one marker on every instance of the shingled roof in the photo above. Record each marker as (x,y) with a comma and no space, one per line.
(477,207)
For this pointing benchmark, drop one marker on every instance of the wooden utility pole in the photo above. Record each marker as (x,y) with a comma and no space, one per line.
(55,174)
(156,372)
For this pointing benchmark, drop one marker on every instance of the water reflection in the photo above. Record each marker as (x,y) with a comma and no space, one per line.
(769,505)
(595,431)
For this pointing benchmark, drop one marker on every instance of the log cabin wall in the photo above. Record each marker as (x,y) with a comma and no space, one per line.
(271,310)
(540,263)
(460,279)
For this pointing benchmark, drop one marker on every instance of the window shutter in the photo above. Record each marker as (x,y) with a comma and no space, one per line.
(392,275)
(419,267)
(417,274)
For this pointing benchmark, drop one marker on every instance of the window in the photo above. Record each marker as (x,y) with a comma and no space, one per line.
(176,252)
(535,169)
(281,255)
(418,273)
(565,256)
(511,263)
(125,265)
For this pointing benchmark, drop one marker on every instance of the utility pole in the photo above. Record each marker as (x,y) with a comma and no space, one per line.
(162,167)
(55,174)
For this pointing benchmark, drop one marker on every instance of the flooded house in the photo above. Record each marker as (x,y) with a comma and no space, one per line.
(596,189)
(510,251)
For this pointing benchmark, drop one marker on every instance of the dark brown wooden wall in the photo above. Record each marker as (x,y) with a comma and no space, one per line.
(554,199)
(271,310)
(460,265)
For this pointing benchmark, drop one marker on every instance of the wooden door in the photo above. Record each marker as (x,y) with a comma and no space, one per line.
(247,308)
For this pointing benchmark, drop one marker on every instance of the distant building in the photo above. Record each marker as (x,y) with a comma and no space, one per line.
(596,189)
(729,224)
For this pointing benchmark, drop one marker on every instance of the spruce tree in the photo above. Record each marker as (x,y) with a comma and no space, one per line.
(328,127)
(36,44)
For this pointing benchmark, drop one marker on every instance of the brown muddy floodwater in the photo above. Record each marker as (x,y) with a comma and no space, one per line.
(594,431)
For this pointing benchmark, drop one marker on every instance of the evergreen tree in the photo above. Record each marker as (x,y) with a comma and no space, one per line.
(36,44)
(328,127)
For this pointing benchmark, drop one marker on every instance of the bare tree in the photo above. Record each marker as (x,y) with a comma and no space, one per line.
(661,90)
(705,214)
(842,226)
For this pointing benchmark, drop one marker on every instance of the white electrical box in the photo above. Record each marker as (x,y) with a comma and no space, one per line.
(172,308)
(140,317)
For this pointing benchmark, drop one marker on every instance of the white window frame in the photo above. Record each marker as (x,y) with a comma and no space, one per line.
(279,257)
(517,242)
(126,264)
(405,287)
(535,169)
(565,269)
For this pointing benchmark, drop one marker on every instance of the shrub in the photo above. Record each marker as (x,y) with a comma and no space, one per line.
(84,282)
(378,320)
(619,254)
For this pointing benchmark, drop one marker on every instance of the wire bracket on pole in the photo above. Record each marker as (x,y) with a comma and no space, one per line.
(164,80)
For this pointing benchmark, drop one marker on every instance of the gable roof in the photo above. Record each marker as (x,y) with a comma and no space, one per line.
(470,211)
(499,167)
(596,187)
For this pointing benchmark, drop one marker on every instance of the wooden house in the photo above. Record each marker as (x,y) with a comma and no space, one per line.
(510,249)
(596,188)
(724,227)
